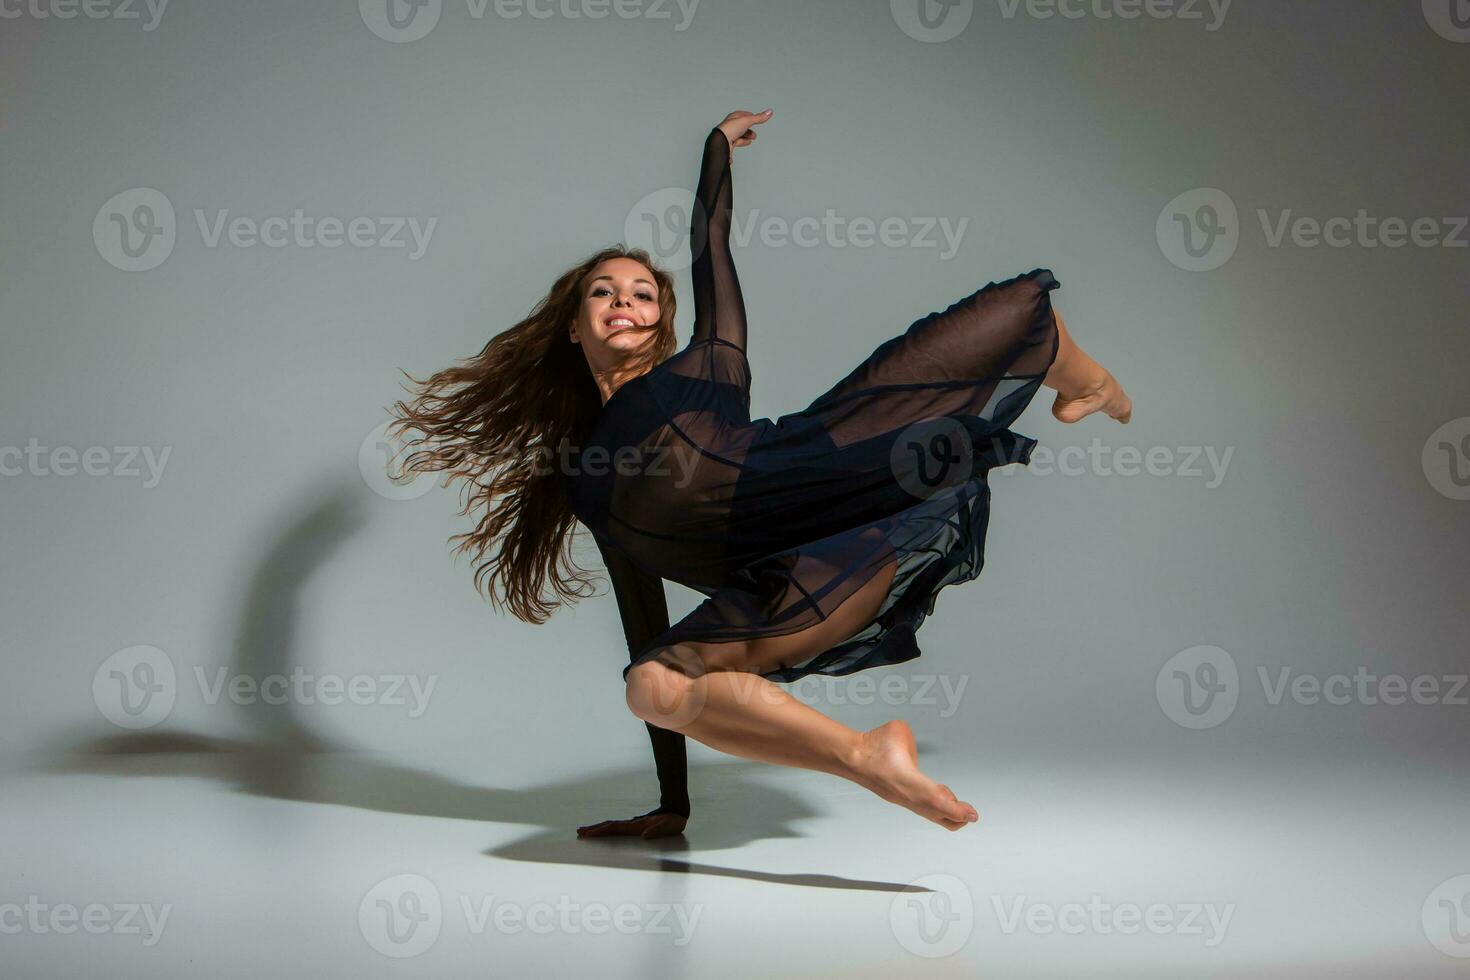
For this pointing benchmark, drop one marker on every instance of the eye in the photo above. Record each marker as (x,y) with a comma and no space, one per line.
(645,295)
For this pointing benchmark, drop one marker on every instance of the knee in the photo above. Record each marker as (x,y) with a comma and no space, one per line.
(651,684)
(662,694)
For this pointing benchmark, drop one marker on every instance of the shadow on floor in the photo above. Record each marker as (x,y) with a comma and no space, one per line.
(284,759)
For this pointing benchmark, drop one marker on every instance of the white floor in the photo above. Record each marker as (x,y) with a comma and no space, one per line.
(252,864)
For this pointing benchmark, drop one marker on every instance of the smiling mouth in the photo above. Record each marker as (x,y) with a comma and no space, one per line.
(621,323)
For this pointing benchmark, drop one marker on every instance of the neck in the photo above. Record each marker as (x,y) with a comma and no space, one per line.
(609,387)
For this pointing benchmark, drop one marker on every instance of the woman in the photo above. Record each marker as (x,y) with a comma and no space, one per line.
(820,539)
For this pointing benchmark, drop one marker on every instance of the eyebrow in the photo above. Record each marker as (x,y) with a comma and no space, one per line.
(610,279)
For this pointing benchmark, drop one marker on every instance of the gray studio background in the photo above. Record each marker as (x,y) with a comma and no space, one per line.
(1331,542)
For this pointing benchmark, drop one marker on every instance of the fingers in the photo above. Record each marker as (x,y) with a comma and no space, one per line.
(737,125)
(609,828)
(745,118)
(753,119)
(593,829)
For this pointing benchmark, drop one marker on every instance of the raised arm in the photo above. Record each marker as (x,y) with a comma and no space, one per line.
(719,308)
(645,614)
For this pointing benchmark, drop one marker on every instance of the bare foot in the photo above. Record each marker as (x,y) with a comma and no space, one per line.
(888,764)
(1106,395)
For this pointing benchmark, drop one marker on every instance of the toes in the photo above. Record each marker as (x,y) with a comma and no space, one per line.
(952,807)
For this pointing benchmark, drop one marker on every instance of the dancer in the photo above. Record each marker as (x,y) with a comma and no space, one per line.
(820,539)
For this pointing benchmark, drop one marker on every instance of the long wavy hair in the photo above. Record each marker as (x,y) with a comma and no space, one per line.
(500,419)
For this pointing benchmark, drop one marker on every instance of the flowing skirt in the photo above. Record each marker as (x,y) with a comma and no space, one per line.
(887,467)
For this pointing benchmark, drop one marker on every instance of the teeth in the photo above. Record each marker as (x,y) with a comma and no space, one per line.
(617,322)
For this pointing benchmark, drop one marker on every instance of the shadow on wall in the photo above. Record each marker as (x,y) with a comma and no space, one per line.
(283,758)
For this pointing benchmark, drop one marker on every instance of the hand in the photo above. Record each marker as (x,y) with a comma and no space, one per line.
(648,826)
(736,126)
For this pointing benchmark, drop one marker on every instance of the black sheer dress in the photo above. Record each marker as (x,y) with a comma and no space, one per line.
(778,522)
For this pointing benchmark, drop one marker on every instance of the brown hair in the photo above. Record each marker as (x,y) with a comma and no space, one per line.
(492,419)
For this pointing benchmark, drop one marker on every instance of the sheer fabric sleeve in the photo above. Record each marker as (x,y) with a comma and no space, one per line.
(645,614)
(719,308)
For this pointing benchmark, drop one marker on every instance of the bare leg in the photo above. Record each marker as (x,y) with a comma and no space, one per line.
(741,713)
(744,714)
(1083,386)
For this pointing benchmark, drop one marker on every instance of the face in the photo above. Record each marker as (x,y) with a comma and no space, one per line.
(617,293)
